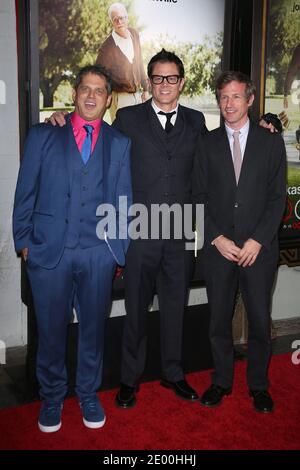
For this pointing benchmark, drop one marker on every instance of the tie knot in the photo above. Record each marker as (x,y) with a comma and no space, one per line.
(89,129)
(236,134)
(168,115)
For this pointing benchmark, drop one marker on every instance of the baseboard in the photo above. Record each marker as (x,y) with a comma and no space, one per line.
(286,326)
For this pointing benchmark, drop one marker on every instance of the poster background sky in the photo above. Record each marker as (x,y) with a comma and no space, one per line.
(186,20)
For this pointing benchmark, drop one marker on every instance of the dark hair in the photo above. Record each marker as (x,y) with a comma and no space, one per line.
(230,76)
(165,56)
(97,70)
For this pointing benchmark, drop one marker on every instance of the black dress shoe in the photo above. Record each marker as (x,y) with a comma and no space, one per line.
(262,401)
(214,395)
(181,389)
(125,397)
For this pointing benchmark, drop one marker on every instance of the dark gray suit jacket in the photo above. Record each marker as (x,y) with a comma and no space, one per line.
(254,207)
(161,173)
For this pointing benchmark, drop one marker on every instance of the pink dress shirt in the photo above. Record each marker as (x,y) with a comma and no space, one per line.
(80,133)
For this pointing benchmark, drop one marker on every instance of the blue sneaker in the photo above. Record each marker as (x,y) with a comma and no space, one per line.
(92,413)
(50,416)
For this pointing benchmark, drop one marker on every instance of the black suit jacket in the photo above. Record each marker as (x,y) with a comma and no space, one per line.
(254,207)
(161,173)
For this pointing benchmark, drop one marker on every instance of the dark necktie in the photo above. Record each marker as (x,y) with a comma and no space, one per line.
(87,144)
(169,126)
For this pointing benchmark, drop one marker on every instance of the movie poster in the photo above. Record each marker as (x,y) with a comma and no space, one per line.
(282,96)
(73,32)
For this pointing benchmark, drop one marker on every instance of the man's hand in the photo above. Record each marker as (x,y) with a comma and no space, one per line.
(119,272)
(227,248)
(24,254)
(270,126)
(58,117)
(145,96)
(249,253)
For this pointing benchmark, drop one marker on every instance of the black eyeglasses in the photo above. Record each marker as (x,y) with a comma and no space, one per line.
(158,79)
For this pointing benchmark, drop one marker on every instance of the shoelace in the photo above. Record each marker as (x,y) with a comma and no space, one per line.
(91,405)
(52,409)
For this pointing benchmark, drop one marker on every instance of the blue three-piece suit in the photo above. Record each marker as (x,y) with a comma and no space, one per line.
(55,208)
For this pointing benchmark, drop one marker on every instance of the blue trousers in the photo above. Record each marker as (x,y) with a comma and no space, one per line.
(85,275)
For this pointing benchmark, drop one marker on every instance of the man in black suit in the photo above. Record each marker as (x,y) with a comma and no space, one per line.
(242,170)
(164,136)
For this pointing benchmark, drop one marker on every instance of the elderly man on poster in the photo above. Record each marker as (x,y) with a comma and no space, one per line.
(121,55)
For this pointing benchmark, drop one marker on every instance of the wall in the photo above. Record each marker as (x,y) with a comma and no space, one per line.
(12,313)
(286,298)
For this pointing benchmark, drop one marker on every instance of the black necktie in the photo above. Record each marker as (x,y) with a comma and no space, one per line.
(169,125)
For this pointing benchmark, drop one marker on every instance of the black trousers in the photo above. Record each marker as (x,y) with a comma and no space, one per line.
(223,277)
(163,266)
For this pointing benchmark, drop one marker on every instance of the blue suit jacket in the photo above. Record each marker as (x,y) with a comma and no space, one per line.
(41,199)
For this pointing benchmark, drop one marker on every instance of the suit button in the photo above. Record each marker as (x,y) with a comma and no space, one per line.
(166,194)
(69,195)
(85,172)
(66,220)
(84,188)
(82,204)
(236,205)
(81,220)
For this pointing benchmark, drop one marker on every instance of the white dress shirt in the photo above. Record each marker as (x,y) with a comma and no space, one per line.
(243,135)
(125,44)
(161,117)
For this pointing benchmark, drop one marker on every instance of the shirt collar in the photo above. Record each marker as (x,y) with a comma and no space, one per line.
(243,130)
(157,109)
(78,122)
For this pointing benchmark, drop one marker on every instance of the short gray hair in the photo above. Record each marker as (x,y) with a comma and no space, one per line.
(116,6)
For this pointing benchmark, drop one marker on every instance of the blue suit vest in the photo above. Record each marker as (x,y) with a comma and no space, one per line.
(85,195)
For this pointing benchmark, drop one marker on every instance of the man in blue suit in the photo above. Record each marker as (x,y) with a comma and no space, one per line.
(65,175)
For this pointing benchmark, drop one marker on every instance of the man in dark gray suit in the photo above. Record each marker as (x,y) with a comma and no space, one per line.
(164,136)
(242,170)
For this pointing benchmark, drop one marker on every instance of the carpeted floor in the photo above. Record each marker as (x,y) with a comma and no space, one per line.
(162,421)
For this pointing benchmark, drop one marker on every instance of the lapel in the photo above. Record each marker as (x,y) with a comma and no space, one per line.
(70,148)
(147,124)
(103,147)
(224,152)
